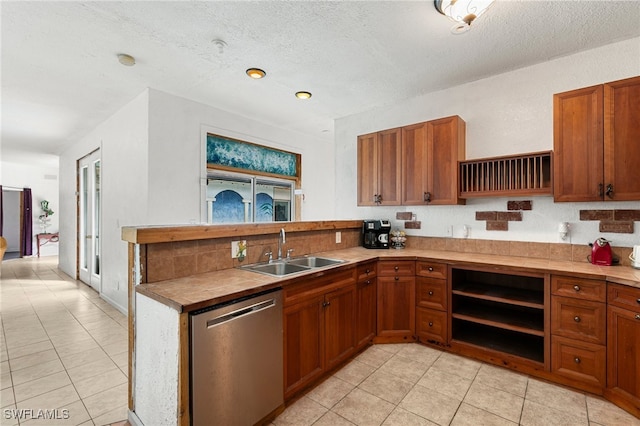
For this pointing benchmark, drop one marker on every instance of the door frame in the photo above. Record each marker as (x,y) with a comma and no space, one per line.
(78,218)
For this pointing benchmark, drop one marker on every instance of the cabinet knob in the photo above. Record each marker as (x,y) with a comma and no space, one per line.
(638,316)
(427,197)
(577,360)
(430,324)
(325,304)
(368,282)
(367,271)
(396,267)
(430,268)
(576,318)
(396,278)
(430,293)
(638,300)
(576,287)
(609,192)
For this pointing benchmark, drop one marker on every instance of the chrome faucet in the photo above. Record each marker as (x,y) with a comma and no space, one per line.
(281,240)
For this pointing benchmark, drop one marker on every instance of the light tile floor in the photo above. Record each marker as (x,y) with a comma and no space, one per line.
(411,384)
(63,349)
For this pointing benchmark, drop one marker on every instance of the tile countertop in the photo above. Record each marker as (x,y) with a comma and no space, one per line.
(203,290)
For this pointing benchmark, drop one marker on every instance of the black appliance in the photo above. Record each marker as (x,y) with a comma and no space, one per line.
(375,234)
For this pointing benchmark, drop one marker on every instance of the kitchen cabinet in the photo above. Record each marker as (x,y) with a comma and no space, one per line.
(431,302)
(379,163)
(366,304)
(596,153)
(319,318)
(430,155)
(396,301)
(500,315)
(411,165)
(623,347)
(578,332)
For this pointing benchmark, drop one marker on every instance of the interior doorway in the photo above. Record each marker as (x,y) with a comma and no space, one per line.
(89,215)
(12,224)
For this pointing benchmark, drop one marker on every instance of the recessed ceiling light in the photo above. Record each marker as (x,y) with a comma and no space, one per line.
(126,60)
(256,73)
(303,95)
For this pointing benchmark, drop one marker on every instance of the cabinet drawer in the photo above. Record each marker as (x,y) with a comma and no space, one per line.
(431,325)
(624,297)
(431,269)
(578,319)
(366,271)
(390,268)
(431,293)
(579,361)
(581,288)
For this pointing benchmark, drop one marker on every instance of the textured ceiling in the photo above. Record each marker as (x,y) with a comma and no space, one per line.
(61,78)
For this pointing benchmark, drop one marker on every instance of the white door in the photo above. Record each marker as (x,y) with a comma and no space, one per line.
(89,219)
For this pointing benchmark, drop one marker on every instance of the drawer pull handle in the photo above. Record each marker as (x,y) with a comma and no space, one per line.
(577,360)
(576,287)
(396,267)
(638,316)
(430,269)
(430,293)
(576,318)
(430,324)
(396,278)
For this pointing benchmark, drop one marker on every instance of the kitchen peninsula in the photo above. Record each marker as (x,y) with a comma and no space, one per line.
(178,270)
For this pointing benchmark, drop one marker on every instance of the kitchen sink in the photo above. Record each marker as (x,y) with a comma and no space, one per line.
(314,262)
(285,267)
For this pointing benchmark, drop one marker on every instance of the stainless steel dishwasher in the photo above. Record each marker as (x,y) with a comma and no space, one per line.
(236,361)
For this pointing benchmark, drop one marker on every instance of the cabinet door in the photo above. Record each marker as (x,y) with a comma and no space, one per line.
(414,165)
(396,307)
(623,352)
(446,146)
(367,169)
(366,312)
(303,343)
(339,317)
(578,165)
(622,139)
(389,180)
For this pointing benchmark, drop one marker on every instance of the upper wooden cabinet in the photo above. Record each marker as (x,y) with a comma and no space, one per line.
(596,148)
(379,168)
(412,165)
(430,155)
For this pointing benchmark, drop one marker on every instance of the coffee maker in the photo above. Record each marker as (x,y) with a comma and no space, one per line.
(375,234)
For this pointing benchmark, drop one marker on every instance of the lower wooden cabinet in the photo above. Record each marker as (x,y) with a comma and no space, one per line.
(366,304)
(396,321)
(623,347)
(583,364)
(319,330)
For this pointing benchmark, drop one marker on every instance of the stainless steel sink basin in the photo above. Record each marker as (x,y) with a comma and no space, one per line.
(276,268)
(285,267)
(314,262)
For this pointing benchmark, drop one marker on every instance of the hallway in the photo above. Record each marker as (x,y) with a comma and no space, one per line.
(63,350)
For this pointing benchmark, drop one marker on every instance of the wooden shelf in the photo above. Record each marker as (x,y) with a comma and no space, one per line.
(512,295)
(500,311)
(526,174)
(500,315)
(511,342)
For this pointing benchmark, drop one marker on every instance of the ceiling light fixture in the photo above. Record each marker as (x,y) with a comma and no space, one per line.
(256,73)
(463,12)
(126,60)
(303,95)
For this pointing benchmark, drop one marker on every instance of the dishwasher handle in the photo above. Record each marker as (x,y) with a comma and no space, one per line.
(249,310)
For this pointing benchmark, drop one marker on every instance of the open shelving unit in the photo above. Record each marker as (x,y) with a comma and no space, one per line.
(504,312)
(526,174)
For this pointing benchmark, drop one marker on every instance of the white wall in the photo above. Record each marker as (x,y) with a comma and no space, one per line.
(177,150)
(506,114)
(122,140)
(43,181)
